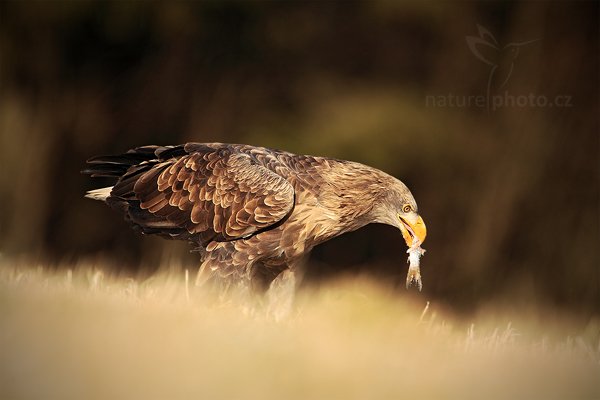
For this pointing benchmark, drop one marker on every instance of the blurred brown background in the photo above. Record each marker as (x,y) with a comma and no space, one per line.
(510,195)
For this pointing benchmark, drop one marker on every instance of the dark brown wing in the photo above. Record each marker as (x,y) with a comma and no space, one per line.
(210,192)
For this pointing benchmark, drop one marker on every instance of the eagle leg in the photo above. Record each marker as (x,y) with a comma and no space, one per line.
(221,270)
(280,296)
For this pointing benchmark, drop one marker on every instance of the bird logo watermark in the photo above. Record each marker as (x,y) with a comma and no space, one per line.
(501,61)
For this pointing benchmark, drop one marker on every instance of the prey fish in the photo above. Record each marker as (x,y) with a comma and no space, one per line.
(415,252)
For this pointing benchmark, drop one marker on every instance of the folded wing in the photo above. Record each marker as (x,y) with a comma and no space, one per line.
(199,192)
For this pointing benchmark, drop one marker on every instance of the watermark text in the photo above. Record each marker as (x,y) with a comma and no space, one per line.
(495,102)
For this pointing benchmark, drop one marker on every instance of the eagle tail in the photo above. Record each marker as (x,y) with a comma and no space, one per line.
(99,194)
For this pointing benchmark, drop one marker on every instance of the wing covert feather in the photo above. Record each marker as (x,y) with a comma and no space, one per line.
(216,192)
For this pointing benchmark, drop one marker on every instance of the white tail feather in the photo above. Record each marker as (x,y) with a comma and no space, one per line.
(99,194)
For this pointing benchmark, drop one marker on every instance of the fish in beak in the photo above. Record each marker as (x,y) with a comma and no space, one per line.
(414,232)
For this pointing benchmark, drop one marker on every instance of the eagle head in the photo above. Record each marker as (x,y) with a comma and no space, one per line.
(397,207)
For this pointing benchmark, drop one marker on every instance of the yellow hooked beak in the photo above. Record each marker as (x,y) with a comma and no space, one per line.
(413,229)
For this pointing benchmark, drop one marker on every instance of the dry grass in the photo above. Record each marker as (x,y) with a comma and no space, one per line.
(80,334)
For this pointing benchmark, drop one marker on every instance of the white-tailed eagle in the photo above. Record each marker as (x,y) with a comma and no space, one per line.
(253,212)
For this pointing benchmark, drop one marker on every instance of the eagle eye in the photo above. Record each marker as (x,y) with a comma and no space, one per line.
(407,208)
